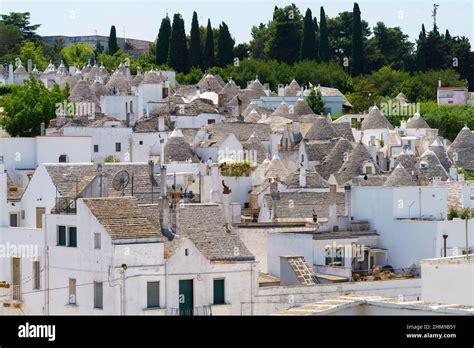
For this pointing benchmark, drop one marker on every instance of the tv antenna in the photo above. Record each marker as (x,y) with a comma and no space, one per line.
(120,181)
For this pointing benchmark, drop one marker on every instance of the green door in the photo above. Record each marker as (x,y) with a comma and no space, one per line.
(186,304)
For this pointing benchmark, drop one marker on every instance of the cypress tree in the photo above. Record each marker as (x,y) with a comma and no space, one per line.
(316,27)
(208,58)
(177,55)
(420,50)
(225,46)
(163,42)
(113,47)
(323,38)
(357,43)
(308,46)
(195,51)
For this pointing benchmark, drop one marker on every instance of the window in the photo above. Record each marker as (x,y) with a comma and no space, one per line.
(36,275)
(61,235)
(62,159)
(67,236)
(98,295)
(153,295)
(96,240)
(96,148)
(219,291)
(140,142)
(118,147)
(186,252)
(368,170)
(72,234)
(211,121)
(334,255)
(14,220)
(165,92)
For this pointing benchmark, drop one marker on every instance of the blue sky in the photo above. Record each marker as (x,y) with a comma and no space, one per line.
(141,19)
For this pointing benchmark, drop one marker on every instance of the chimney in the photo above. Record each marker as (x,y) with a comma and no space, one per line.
(465,195)
(164,207)
(302,176)
(198,92)
(127,115)
(226,206)
(151,168)
(161,123)
(221,97)
(281,90)
(42,129)
(439,83)
(3,195)
(332,219)
(347,195)
(10,73)
(453,173)
(29,65)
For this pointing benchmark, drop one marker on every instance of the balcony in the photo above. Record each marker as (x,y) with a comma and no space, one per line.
(11,296)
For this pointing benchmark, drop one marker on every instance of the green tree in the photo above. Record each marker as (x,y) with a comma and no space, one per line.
(21,20)
(315,101)
(30,105)
(242,51)
(33,51)
(324,53)
(113,46)
(163,41)
(208,58)
(10,37)
(78,54)
(112,61)
(357,43)
(195,50)
(225,46)
(258,44)
(285,37)
(177,55)
(420,50)
(388,46)
(308,46)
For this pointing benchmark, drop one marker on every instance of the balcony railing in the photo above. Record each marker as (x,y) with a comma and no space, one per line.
(200,311)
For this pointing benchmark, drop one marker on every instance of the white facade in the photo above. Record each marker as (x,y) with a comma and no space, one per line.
(411,222)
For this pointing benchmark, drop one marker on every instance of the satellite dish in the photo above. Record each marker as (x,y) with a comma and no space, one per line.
(120,181)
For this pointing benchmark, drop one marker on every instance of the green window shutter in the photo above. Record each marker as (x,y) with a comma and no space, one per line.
(219,291)
(153,294)
(73,237)
(62,235)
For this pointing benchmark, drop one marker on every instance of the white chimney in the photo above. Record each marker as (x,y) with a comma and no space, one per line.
(439,83)
(3,196)
(348,210)
(302,176)
(453,173)
(10,73)
(332,219)
(466,195)
(161,123)
(281,90)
